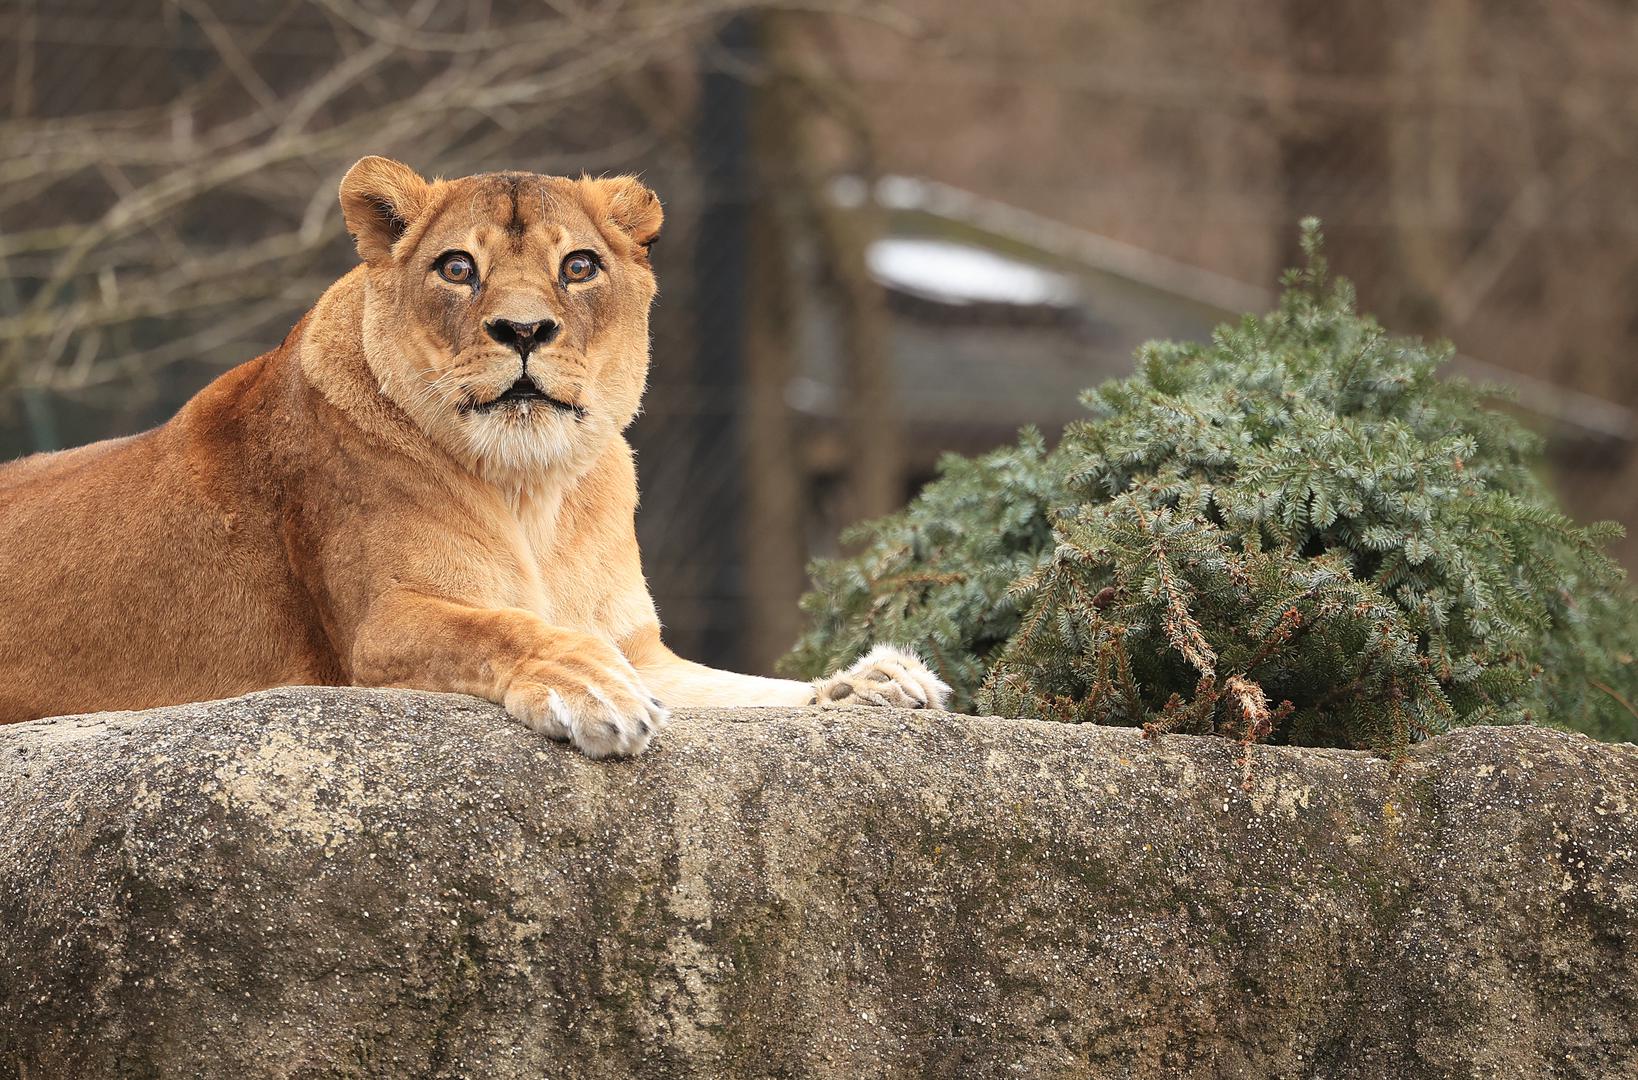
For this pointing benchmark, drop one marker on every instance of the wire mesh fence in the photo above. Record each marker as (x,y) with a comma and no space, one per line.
(893,228)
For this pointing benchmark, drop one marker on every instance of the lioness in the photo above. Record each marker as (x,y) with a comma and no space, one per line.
(425,485)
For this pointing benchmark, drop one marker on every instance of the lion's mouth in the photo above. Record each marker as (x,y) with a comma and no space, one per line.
(525,393)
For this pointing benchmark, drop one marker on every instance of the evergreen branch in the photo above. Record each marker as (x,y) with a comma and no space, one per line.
(1297,510)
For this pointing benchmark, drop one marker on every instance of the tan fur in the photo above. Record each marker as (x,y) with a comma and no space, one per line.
(342,511)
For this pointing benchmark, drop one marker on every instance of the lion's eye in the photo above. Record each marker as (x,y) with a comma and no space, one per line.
(579,266)
(457,267)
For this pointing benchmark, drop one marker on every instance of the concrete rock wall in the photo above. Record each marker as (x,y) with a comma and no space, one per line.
(341,883)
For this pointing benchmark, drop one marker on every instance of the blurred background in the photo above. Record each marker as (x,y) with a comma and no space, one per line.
(893,229)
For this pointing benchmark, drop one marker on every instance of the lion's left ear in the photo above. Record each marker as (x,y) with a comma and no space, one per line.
(624,202)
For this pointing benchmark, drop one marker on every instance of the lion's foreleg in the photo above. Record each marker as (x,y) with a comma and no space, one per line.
(561,682)
(682,683)
(883,676)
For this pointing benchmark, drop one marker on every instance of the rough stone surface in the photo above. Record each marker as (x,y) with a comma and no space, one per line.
(336,883)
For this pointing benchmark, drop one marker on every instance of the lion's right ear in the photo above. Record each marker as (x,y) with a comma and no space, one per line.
(379,199)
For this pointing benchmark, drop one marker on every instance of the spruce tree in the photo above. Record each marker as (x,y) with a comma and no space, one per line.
(1297,531)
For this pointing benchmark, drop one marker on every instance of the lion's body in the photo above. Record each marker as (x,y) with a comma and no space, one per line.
(238,546)
(339,511)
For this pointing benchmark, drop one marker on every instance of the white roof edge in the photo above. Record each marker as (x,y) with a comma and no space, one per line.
(1100,252)
(1561,404)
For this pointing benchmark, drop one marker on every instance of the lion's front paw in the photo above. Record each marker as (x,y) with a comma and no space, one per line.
(883,676)
(593,699)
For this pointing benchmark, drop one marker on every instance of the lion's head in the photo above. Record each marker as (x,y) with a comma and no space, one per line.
(506,313)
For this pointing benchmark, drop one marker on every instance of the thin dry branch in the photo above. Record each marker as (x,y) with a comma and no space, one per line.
(87,299)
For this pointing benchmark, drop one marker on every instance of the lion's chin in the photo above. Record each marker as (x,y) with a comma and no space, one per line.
(524,438)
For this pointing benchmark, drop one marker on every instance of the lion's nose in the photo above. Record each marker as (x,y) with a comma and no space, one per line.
(522,336)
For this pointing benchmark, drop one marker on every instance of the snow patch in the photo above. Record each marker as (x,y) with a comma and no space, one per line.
(953,273)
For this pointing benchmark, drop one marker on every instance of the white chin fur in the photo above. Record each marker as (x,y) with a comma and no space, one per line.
(524,439)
